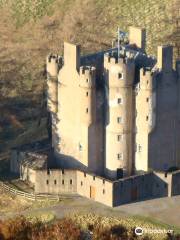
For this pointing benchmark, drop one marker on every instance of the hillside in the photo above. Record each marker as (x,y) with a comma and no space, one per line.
(31,29)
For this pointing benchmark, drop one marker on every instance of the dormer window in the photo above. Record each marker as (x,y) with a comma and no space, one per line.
(120,75)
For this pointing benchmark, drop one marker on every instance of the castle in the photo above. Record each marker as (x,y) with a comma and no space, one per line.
(121,118)
(115,118)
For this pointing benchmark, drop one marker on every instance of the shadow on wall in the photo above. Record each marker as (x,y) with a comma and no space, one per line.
(68,162)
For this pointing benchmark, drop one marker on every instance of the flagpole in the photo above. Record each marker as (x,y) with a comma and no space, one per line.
(118,42)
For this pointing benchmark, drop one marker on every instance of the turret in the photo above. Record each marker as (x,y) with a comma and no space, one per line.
(53,64)
(145,117)
(87,94)
(119,78)
(148,99)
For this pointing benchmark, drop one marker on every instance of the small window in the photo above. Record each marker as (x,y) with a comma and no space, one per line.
(87,80)
(139,148)
(87,110)
(119,100)
(147,118)
(120,156)
(87,94)
(119,119)
(81,183)
(84,174)
(94,177)
(62,171)
(47,182)
(120,75)
(147,99)
(71,181)
(104,191)
(165,175)
(80,147)
(147,82)
(119,137)
(103,181)
(55,182)
(63,182)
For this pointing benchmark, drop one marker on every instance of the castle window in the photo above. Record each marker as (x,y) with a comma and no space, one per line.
(62,171)
(63,182)
(147,82)
(71,181)
(119,137)
(120,156)
(120,75)
(87,80)
(47,182)
(55,182)
(103,191)
(147,99)
(94,177)
(87,94)
(80,147)
(84,174)
(81,183)
(86,110)
(147,118)
(139,148)
(103,181)
(119,119)
(119,100)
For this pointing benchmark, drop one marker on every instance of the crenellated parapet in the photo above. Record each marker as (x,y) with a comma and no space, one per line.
(120,70)
(147,79)
(53,64)
(87,76)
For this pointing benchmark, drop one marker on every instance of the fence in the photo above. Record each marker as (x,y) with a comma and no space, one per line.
(33,196)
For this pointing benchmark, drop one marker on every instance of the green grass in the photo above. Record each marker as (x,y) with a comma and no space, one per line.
(157,223)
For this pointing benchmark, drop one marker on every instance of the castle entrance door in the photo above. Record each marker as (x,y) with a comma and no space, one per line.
(92,192)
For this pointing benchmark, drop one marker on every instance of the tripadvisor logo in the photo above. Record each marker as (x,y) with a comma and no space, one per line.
(138,231)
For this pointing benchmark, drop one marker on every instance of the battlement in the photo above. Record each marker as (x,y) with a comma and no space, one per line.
(87,76)
(110,58)
(53,64)
(146,79)
(87,70)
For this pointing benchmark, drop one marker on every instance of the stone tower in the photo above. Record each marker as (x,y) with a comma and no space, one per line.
(78,146)
(145,117)
(119,78)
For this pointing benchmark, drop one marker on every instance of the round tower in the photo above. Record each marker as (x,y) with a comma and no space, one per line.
(145,120)
(119,78)
(53,64)
(89,144)
(87,95)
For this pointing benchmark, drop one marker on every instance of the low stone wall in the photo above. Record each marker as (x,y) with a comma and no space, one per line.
(176,183)
(56,181)
(132,188)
